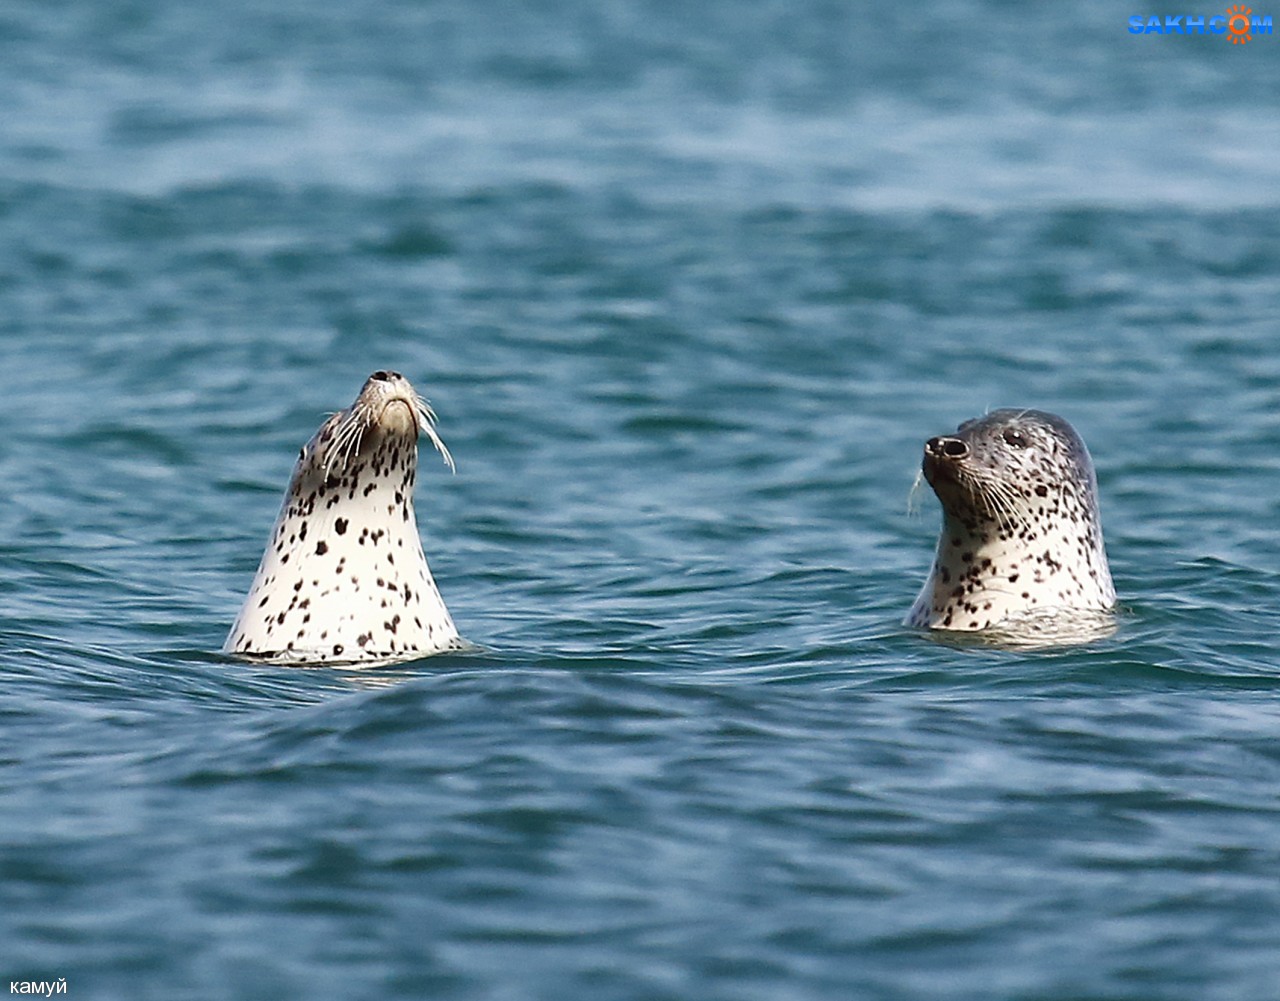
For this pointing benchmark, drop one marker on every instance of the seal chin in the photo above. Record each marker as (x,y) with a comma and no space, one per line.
(937,470)
(398,416)
(954,486)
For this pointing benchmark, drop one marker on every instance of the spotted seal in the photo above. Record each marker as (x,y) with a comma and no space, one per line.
(1021,535)
(343,578)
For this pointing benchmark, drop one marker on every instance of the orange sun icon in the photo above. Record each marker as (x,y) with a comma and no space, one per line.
(1238,23)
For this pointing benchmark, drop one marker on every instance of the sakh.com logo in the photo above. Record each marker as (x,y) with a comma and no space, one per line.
(1239,23)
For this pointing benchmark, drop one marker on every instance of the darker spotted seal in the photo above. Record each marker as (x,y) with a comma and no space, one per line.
(1021,534)
(343,578)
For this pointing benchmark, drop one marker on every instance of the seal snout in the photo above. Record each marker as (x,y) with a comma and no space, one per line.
(946,447)
(942,455)
(390,401)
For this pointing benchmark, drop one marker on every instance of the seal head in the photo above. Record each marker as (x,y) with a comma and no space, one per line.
(1021,533)
(344,578)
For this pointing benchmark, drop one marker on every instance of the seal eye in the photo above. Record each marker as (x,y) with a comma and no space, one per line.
(1015,438)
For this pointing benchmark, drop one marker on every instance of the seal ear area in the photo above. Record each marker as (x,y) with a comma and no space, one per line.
(1058,436)
(319,443)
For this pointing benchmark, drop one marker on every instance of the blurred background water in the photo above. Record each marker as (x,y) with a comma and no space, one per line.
(689,285)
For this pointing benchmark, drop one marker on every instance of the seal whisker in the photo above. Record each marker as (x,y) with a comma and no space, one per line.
(1001,500)
(913,494)
(427,424)
(346,442)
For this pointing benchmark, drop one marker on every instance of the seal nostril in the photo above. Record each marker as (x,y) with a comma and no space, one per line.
(952,448)
(382,375)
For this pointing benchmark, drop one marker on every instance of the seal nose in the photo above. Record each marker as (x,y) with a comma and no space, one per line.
(945,447)
(382,375)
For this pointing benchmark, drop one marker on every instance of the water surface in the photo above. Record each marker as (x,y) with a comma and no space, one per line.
(689,285)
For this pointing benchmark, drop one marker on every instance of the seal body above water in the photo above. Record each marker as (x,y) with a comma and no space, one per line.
(1021,534)
(344,578)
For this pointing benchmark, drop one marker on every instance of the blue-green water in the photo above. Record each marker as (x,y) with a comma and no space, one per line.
(689,285)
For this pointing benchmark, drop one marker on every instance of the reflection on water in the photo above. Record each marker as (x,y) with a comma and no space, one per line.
(1039,630)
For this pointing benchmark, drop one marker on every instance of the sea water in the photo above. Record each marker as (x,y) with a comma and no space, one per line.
(689,285)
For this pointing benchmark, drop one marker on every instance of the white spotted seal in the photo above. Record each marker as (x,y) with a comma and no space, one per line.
(343,578)
(1021,534)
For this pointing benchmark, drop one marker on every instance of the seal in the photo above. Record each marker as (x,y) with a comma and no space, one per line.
(1021,533)
(343,578)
